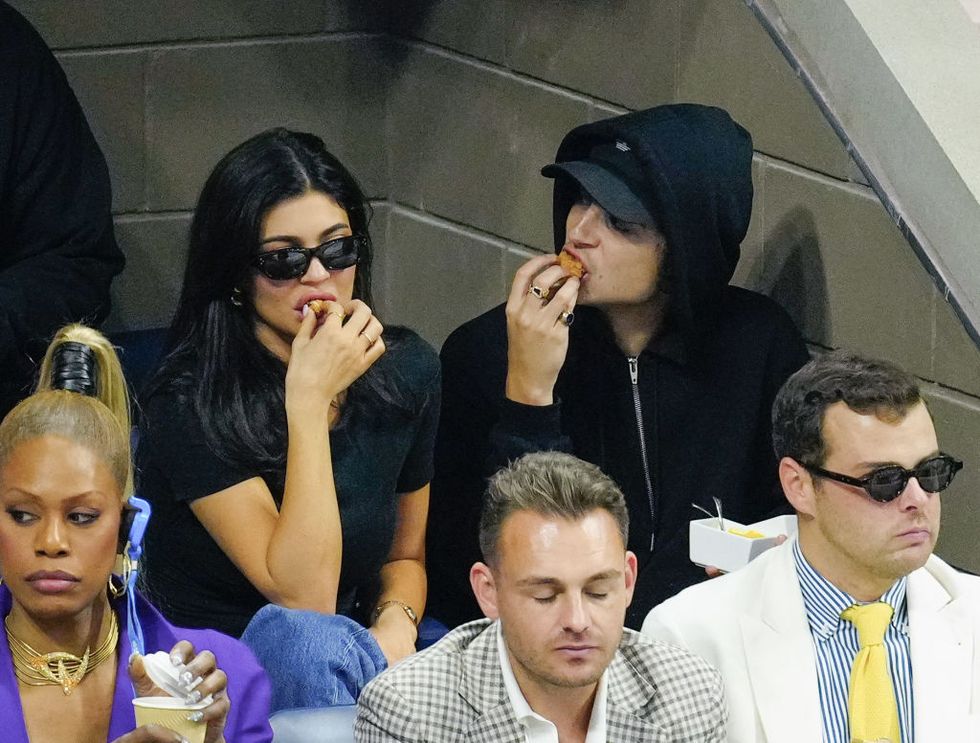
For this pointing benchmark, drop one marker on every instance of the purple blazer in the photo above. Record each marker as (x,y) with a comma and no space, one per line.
(248,687)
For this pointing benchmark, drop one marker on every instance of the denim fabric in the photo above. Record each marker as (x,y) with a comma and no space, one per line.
(430,632)
(313,659)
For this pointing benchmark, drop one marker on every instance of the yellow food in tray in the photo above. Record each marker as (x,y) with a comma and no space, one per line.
(747,533)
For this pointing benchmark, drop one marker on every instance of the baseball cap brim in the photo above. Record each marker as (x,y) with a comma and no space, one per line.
(605,186)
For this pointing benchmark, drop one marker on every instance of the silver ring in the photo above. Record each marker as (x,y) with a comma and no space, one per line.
(538,292)
(568,318)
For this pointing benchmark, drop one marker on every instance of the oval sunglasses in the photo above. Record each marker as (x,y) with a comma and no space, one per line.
(887,483)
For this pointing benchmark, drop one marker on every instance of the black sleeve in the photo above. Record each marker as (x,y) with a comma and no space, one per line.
(479,432)
(418,467)
(175,454)
(58,252)
(521,429)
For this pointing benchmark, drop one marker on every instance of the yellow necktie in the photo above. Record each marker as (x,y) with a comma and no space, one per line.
(871,707)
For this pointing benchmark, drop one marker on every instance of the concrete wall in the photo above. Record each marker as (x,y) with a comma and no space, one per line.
(915,138)
(446,110)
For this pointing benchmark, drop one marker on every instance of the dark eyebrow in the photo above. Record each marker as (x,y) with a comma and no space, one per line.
(294,239)
(18,493)
(69,501)
(876,465)
(82,496)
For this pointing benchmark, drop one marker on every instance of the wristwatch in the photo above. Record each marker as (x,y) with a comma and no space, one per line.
(394,602)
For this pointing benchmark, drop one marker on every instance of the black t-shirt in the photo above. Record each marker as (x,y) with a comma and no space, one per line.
(187,575)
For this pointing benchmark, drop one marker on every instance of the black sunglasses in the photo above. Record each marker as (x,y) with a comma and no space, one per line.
(293,262)
(887,483)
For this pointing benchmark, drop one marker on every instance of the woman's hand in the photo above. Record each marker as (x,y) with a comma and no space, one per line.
(395,633)
(202,678)
(326,360)
(537,337)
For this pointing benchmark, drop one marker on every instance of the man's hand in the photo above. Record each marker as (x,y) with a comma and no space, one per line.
(537,335)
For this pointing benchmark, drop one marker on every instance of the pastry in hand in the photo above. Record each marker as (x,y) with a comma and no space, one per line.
(317,307)
(571,265)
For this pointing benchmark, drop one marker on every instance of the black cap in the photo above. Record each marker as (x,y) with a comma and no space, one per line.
(612,176)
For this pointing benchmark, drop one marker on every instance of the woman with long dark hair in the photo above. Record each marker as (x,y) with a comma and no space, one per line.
(286,443)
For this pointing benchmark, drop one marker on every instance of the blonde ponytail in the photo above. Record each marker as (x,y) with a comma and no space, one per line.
(98,418)
(111,389)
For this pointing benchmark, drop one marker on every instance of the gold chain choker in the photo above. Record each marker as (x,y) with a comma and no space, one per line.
(60,669)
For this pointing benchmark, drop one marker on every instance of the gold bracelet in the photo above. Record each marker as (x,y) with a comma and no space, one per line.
(409,611)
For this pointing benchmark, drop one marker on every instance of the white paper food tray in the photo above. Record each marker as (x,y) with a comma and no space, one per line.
(727,551)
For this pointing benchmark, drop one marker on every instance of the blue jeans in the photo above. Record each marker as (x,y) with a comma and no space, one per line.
(313,659)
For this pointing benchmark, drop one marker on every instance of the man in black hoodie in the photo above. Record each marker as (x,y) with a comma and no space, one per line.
(58,252)
(651,366)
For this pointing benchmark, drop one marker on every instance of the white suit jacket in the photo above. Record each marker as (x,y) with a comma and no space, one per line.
(751,625)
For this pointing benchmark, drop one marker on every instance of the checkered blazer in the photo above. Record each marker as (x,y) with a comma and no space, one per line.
(454,691)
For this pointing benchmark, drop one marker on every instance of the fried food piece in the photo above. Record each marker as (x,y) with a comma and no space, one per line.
(570,264)
(317,307)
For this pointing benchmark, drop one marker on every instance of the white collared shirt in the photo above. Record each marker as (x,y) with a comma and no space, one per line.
(536,728)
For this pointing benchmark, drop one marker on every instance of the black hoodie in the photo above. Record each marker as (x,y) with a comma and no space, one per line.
(58,252)
(700,393)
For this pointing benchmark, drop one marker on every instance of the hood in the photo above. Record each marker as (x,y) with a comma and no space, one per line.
(696,166)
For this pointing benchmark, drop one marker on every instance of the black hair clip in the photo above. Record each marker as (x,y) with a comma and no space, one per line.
(74,368)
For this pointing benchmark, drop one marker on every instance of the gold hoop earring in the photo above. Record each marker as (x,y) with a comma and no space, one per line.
(115,591)
(236,297)
(123,570)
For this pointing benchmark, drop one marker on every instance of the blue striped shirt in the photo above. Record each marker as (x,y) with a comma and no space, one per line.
(836,644)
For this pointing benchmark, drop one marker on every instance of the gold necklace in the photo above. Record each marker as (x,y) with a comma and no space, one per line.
(59,668)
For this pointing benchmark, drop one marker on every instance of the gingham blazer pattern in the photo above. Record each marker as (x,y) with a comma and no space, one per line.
(454,692)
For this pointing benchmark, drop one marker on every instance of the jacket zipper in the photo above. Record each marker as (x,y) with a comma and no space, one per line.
(634,378)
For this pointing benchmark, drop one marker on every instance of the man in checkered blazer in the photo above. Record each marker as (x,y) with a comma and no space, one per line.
(552,660)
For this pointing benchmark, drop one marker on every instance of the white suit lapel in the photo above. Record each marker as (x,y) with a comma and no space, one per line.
(780,657)
(944,672)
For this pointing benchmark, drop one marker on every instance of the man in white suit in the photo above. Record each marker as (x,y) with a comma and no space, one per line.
(860,463)
(552,661)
